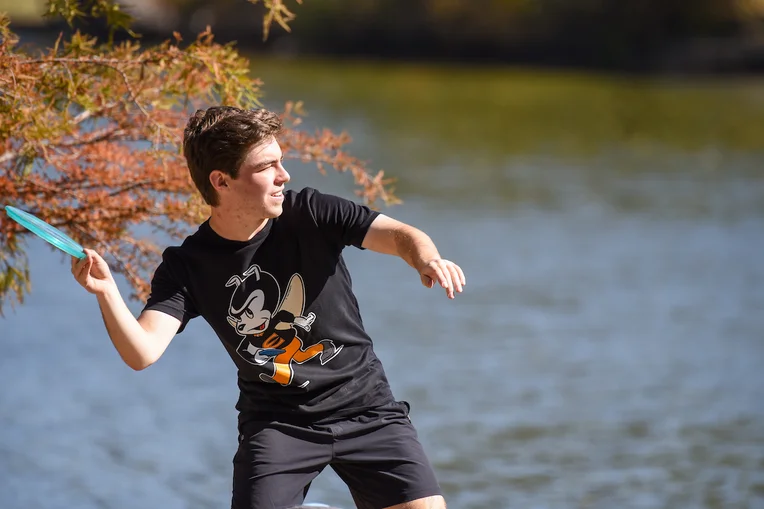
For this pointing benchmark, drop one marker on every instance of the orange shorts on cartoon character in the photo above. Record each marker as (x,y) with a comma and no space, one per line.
(294,352)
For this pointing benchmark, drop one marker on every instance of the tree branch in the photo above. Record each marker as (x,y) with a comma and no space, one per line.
(111,63)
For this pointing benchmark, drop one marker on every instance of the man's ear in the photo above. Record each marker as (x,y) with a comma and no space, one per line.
(218,179)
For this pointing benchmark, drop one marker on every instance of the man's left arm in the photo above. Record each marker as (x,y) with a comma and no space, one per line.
(389,236)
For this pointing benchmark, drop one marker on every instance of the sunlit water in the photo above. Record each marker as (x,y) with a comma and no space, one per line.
(607,353)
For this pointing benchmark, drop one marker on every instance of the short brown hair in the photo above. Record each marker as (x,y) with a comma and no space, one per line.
(220,138)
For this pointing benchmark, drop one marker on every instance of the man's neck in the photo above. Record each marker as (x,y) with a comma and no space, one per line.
(235,226)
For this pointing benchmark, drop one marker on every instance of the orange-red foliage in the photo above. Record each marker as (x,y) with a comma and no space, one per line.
(90,142)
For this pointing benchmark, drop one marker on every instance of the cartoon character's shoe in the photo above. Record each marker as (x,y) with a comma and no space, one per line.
(263,355)
(329,352)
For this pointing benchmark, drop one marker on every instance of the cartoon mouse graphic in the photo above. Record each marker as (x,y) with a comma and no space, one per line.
(268,324)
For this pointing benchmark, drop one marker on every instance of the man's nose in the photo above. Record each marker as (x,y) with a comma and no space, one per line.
(283,175)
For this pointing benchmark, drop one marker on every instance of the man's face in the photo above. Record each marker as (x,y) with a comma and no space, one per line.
(258,190)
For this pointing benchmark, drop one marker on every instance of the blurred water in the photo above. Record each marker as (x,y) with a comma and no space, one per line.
(608,350)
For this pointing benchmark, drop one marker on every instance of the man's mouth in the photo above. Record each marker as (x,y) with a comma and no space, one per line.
(278,194)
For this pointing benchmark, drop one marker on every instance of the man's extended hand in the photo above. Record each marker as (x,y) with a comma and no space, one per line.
(446,273)
(389,236)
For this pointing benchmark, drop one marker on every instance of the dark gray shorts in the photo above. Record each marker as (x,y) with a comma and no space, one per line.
(377,454)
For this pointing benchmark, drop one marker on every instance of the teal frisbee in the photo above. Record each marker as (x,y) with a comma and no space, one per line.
(46,232)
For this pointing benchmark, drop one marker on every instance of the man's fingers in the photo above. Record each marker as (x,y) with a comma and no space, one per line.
(445,280)
(435,273)
(82,268)
(455,277)
(77,265)
(443,276)
(461,275)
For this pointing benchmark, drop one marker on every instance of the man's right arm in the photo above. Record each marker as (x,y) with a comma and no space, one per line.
(140,342)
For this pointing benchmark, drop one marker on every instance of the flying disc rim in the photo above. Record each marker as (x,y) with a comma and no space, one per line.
(45,231)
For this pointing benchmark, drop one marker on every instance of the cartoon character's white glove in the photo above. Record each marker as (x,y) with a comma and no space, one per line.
(304,322)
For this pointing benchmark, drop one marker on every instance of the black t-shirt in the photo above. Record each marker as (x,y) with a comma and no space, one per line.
(282,304)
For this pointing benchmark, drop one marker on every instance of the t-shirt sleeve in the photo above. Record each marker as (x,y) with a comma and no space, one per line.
(169,295)
(343,221)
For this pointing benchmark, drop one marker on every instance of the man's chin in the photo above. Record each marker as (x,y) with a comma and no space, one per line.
(275,211)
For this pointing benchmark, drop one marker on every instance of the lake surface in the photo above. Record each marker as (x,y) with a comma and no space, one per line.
(608,351)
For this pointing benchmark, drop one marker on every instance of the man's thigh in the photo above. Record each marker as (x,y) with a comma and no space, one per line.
(276,463)
(384,464)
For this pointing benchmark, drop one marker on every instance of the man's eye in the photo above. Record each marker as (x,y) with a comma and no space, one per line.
(249,313)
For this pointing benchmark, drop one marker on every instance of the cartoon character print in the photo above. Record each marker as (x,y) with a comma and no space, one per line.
(268,324)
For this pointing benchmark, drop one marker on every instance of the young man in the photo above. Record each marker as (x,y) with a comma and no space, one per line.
(266,271)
